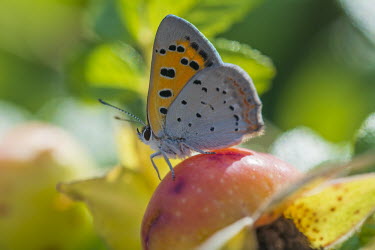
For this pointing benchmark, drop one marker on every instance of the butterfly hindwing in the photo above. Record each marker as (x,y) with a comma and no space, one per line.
(216,109)
(180,51)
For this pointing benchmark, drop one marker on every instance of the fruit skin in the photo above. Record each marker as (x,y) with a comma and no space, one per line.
(209,193)
(34,157)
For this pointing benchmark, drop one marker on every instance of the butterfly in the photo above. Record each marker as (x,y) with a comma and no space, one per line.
(196,102)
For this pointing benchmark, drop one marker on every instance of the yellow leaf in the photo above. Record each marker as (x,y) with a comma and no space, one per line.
(328,214)
(276,205)
(117,202)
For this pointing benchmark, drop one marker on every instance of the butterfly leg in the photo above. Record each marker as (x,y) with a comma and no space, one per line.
(169,165)
(198,150)
(153,163)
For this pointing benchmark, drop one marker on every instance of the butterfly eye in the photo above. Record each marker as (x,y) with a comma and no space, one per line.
(147,133)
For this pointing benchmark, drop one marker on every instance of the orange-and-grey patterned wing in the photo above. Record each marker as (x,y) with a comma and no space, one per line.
(180,51)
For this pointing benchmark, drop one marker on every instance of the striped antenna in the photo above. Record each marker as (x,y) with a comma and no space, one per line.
(126,112)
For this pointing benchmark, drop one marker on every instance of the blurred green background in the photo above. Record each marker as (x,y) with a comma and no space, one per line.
(312,61)
(58,56)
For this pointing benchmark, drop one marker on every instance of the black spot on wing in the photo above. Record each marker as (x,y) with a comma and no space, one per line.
(184,61)
(198,115)
(204,89)
(203,54)
(162,51)
(172,47)
(167,72)
(194,45)
(183,102)
(171,73)
(205,103)
(165,93)
(163,110)
(198,82)
(163,71)
(194,65)
(208,63)
(180,49)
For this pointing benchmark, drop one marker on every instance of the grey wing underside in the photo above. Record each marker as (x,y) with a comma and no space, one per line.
(217,108)
(173,28)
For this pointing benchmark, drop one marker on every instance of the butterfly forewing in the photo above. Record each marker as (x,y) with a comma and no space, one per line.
(180,51)
(217,108)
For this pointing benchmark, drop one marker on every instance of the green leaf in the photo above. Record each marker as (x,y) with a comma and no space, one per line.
(258,66)
(363,238)
(107,67)
(211,17)
(216,16)
(169,7)
(365,139)
(20,78)
(133,14)
(106,21)
(115,65)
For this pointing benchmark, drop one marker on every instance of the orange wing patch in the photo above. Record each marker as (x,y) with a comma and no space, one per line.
(172,69)
(248,106)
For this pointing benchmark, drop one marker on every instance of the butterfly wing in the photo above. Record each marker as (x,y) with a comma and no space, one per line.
(180,51)
(217,108)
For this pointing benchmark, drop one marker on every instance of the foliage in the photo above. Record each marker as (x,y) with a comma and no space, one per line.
(119,70)
(57,60)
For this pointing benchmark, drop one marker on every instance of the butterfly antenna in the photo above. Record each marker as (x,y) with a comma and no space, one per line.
(125,120)
(126,112)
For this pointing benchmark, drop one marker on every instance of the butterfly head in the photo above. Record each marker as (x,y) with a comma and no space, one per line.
(146,134)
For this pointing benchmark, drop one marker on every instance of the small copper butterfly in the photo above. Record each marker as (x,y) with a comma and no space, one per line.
(196,102)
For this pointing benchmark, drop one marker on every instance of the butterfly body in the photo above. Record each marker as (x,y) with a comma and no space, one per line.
(171,147)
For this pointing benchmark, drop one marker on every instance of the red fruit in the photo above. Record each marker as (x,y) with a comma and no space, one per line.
(209,193)
(34,157)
